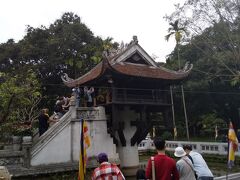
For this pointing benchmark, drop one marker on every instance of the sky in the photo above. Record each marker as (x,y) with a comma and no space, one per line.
(119,19)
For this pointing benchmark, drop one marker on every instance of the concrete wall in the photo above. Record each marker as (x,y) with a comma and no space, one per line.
(57,150)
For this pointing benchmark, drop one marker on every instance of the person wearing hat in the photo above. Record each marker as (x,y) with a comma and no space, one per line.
(4,173)
(184,165)
(106,170)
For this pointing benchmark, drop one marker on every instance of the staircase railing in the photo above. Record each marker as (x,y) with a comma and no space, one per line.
(56,128)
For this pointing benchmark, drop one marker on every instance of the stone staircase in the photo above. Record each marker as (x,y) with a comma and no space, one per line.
(42,141)
(58,149)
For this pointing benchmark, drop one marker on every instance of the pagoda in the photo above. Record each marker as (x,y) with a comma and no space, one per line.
(131,86)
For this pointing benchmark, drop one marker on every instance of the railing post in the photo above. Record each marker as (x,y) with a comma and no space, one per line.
(26,146)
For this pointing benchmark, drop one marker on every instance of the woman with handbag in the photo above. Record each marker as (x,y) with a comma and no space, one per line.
(184,165)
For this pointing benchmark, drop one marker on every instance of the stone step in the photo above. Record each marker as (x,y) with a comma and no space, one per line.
(20,171)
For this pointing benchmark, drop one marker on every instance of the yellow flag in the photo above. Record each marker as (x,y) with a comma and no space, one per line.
(232,145)
(84,144)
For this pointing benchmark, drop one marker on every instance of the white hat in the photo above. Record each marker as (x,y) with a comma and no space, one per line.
(179,152)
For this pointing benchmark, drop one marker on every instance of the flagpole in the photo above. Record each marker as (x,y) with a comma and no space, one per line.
(228,152)
(227,174)
(81,160)
(227,162)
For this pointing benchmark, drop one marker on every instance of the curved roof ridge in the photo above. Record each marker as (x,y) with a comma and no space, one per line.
(116,62)
(69,82)
(137,70)
(180,71)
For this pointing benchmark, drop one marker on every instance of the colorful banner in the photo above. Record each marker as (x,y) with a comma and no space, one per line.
(175,132)
(84,144)
(216,132)
(232,145)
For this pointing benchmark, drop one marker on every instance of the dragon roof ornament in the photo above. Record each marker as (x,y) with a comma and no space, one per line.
(112,53)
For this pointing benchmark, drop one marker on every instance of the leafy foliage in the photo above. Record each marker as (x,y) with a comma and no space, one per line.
(178,31)
(214,28)
(212,46)
(19,97)
(37,62)
(209,122)
(66,46)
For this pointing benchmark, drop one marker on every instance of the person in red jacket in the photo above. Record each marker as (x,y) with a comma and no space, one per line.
(164,166)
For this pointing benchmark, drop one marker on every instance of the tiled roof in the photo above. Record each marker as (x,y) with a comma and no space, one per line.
(119,65)
(93,74)
(148,71)
(129,69)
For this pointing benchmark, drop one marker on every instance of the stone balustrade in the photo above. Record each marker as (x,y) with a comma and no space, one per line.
(88,113)
(17,156)
(201,147)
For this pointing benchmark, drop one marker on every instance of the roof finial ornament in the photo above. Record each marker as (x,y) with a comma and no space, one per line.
(135,39)
(65,78)
(105,54)
(187,66)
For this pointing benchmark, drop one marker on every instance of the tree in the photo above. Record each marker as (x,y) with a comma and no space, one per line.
(19,97)
(66,46)
(205,18)
(209,122)
(213,48)
(177,31)
(9,52)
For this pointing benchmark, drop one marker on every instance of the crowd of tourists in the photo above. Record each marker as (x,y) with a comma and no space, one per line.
(85,97)
(189,166)
(60,108)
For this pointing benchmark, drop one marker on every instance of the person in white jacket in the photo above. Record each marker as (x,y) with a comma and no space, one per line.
(199,164)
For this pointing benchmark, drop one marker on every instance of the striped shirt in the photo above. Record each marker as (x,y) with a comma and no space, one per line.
(107,171)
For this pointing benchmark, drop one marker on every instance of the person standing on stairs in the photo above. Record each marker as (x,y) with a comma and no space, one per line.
(44,121)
